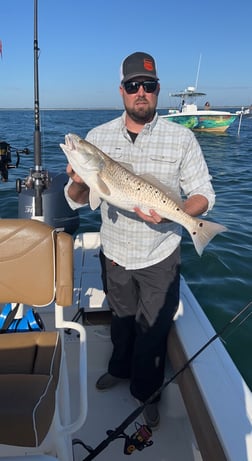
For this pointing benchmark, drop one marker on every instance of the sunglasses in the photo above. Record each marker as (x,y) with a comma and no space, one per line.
(132,87)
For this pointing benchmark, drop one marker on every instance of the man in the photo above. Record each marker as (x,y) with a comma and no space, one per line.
(140,253)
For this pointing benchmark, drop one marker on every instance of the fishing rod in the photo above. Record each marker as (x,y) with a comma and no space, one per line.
(41,193)
(38,179)
(119,431)
(37,175)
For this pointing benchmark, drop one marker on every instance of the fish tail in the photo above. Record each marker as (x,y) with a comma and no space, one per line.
(203,231)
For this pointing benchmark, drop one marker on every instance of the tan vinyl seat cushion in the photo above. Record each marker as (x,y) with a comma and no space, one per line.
(29,376)
(36,263)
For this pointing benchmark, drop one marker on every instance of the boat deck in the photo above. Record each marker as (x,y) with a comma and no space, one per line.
(107,410)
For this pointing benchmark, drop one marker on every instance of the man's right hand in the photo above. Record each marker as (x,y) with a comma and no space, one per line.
(74,176)
(78,190)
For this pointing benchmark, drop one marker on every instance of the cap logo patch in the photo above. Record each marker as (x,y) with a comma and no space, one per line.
(148,65)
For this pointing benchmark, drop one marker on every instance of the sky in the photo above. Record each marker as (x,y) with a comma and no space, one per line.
(83,42)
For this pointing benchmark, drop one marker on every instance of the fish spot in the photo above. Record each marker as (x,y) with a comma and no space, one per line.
(201,224)
(194,233)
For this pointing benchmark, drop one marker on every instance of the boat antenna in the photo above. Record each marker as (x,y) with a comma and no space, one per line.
(198,70)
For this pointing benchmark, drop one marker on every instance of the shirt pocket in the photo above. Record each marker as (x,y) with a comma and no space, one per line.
(165,169)
(119,154)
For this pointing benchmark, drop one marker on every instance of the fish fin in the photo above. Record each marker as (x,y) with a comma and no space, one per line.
(94,196)
(94,200)
(127,166)
(203,232)
(102,186)
(164,188)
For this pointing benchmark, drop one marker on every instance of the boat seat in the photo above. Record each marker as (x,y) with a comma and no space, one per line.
(36,269)
(28,381)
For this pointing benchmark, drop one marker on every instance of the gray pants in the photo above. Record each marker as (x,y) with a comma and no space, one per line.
(143,303)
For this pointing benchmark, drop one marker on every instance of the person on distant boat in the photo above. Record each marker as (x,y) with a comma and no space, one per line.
(181,105)
(140,253)
(207,106)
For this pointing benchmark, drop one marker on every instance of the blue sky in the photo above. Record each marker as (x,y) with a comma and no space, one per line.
(83,42)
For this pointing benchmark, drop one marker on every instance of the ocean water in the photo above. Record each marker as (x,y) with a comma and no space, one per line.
(222,278)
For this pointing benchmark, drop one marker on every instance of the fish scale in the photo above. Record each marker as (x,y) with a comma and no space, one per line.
(111,181)
(142,192)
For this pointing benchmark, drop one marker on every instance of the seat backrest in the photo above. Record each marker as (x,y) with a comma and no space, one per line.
(36,263)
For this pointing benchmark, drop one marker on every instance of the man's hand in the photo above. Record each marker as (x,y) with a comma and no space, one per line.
(78,191)
(152,218)
(74,176)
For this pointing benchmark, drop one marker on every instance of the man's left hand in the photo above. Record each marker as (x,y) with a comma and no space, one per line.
(153,217)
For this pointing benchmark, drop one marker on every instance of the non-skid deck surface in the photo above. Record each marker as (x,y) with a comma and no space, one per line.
(107,410)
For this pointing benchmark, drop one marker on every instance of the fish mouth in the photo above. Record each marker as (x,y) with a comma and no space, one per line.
(69,141)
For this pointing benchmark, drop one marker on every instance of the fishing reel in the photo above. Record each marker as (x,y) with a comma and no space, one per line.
(34,179)
(6,160)
(41,194)
(139,440)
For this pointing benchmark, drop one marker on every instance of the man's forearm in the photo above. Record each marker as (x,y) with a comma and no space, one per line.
(196,205)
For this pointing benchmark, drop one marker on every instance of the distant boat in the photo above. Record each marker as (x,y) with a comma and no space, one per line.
(246,111)
(206,119)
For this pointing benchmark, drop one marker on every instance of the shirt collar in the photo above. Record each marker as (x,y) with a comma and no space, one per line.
(148,127)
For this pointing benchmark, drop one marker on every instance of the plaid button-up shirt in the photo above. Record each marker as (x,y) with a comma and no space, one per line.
(171,154)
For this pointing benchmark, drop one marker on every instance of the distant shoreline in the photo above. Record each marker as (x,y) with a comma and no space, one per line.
(61,108)
(110,108)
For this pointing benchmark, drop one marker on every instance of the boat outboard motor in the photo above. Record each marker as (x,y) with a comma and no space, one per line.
(41,194)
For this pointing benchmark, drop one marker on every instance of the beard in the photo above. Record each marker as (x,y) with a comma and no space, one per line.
(141,113)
